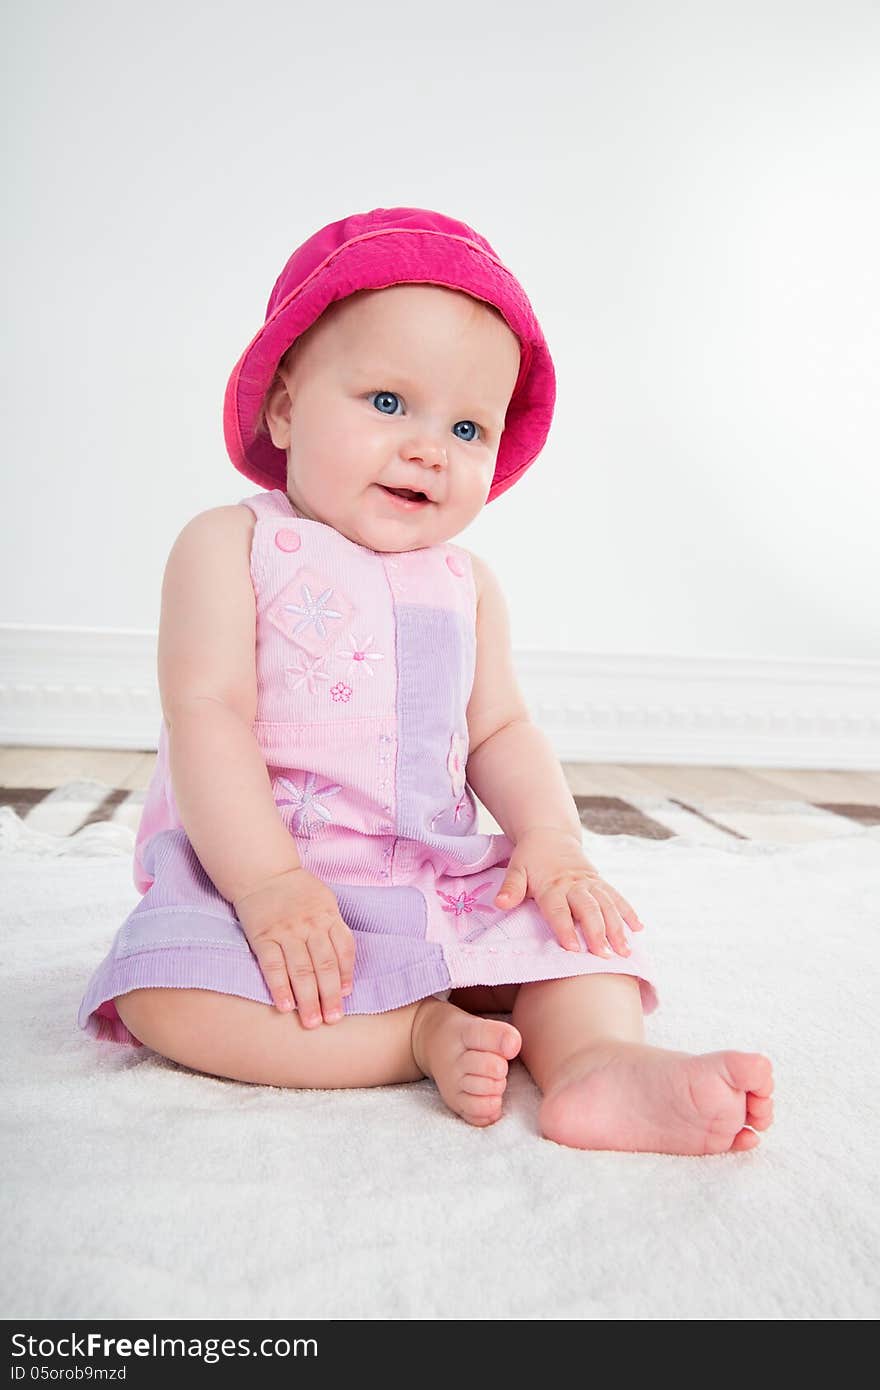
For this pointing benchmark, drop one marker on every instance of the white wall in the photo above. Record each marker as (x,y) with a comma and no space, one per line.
(688,191)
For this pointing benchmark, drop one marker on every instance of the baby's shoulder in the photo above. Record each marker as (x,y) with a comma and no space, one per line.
(484,578)
(209,539)
(219,520)
(218,527)
(231,520)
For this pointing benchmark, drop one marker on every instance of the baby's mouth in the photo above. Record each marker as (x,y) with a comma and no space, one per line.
(407,493)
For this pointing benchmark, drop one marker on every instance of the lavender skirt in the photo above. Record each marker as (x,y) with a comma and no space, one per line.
(422,924)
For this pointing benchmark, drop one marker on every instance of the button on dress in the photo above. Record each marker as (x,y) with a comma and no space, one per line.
(365,662)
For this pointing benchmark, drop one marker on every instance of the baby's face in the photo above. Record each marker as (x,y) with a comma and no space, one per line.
(405,387)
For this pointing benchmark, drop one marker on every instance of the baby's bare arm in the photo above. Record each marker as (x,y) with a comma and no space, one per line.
(225,798)
(517,775)
(207,681)
(511,763)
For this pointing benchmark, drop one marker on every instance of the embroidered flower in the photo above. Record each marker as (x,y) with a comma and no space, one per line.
(309,811)
(308,672)
(448,817)
(466,901)
(359,657)
(341,691)
(315,610)
(455,763)
(465,904)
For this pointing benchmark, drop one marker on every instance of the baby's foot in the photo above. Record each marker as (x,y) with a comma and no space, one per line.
(621,1095)
(467,1057)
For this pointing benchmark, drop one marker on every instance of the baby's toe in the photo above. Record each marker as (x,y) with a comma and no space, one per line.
(483,1085)
(490,1035)
(744,1140)
(484,1064)
(759,1111)
(747,1071)
(480,1110)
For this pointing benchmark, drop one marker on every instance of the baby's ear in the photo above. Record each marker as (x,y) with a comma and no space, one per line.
(276,413)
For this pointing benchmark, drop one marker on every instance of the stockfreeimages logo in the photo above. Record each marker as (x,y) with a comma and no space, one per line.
(95,1346)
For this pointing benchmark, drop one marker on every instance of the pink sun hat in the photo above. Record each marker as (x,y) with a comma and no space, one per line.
(372,250)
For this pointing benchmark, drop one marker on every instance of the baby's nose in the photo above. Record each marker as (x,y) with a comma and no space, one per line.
(425,452)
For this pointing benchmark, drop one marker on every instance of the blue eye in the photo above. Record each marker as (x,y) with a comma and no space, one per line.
(383,398)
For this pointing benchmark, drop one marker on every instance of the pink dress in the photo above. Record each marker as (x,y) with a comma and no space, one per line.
(365,663)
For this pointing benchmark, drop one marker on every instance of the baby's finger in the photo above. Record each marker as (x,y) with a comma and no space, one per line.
(343,941)
(615,929)
(590,916)
(629,914)
(513,888)
(326,967)
(302,977)
(270,959)
(554,908)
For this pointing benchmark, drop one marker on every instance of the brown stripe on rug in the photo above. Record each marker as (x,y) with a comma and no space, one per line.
(865,815)
(104,810)
(71,807)
(23,799)
(608,815)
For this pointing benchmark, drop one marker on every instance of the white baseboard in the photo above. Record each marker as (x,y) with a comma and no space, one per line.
(91,688)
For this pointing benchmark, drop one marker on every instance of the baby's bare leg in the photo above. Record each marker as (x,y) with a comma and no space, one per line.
(606,1088)
(225,1035)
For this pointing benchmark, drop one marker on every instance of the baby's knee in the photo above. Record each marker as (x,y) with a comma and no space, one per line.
(198,1028)
(147,1012)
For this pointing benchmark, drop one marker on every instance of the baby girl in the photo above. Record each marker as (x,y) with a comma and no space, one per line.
(319,906)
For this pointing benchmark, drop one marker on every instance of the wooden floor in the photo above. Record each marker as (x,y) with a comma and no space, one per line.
(131,771)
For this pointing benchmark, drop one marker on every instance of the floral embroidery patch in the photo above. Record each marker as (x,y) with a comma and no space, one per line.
(341,691)
(309,810)
(312,612)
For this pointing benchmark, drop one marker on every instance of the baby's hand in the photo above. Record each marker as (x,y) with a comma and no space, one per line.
(302,945)
(550,866)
